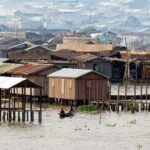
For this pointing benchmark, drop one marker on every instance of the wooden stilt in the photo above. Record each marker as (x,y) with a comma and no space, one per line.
(9,112)
(117,106)
(4,115)
(32,116)
(0,103)
(146,93)
(31,105)
(141,93)
(27,116)
(19,119)
(40,112)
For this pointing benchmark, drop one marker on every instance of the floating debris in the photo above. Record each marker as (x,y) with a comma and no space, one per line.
(110,125)
(139,146)
(132,121)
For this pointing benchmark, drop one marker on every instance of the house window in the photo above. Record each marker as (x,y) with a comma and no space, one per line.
(62,86)
(70,84)
(53,82)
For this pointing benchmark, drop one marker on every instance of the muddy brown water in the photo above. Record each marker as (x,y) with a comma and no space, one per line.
(84,131)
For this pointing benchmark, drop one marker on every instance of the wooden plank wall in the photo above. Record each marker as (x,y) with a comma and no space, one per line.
(63,88)
(89,87)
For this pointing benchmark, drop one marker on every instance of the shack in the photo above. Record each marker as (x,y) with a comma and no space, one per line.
(36,73)
(93,62)
(9,104)
(78,85)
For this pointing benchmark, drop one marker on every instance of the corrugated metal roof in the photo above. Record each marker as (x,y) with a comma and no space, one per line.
(111,59)
(21,44)
(85,57)
(31,69)
(70,73)
(66,54)
(38,46)
(8,82)
(6,67)
(3,60)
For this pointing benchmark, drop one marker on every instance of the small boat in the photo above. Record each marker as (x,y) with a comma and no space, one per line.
(69,114)
(62,114)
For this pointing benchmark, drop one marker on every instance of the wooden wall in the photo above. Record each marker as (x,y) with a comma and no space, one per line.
(89,87)
(40,79)
(63,88)
(92,87)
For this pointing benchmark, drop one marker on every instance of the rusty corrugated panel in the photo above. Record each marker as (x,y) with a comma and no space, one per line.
(67,54)
(28,69)
(85,57)
(6,67)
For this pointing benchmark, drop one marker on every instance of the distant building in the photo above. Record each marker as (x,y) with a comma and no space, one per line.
(5,44)
(34,53)
(85,47)
(79,40)
(106,37)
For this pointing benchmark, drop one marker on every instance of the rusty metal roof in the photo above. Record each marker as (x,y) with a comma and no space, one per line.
(21,44)
(66,54)
(85,57)
(28,69)
(6,67)
(38,46)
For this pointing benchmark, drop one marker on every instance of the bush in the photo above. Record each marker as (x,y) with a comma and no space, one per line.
(87,108)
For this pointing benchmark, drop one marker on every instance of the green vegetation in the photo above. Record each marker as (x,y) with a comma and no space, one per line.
(128,82)
(110,125)
(132,121)
(139,146)
(87,108)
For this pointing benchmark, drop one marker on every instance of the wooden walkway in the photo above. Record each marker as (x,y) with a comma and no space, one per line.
(116,105)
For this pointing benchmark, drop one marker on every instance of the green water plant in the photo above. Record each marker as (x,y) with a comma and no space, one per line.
(139,146)
(132,121)
(87,108)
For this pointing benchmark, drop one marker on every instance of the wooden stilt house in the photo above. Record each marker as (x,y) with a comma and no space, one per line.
(78,84)
(36,73)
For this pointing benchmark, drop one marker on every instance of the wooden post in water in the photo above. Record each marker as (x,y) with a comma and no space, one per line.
(31,113)
(4,115)
(40,112)
(19,116)
(23,105)
(0,103)
(146,93)
(117,106)
(27,115)
(125,91)
(141,95)
(9,109)
(134,91)
(110,96)
(32,116)
(14,111)
(134,101)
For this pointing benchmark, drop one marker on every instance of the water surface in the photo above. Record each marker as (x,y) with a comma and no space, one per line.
(84,131)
